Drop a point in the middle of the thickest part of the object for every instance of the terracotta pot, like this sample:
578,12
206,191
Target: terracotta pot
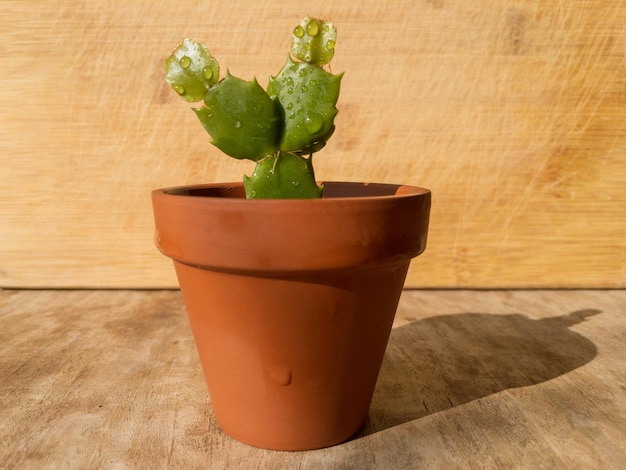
291,302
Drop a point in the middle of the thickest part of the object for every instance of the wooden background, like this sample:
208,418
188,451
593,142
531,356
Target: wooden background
513,112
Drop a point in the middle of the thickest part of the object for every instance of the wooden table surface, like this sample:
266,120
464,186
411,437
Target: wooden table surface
471,379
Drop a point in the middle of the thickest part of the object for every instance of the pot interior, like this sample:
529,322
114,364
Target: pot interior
331,190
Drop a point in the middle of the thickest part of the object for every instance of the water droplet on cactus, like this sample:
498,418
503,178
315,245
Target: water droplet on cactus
313,122
185,62
179,89
207,73
313,28
302,72
330,45
292,115
290,90
298,32
305,88
289,105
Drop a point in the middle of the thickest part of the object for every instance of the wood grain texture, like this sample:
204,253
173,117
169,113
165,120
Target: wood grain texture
512,112
470,379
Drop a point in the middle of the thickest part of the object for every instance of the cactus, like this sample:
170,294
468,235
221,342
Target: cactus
279,128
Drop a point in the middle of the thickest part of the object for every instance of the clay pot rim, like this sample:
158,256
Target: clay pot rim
334,191
385,224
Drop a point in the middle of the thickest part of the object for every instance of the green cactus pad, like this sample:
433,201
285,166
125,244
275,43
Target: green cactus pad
191,70
242,119
308,95
280,128
314,41
283,176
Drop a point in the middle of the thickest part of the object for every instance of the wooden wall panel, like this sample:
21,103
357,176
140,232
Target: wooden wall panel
512,112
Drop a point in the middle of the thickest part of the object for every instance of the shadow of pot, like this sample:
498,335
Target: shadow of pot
444,361
291,302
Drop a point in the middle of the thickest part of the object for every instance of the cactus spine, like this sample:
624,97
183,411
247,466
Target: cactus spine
279,128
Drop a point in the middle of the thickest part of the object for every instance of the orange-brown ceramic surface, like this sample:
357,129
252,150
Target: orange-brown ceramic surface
354,225
291,302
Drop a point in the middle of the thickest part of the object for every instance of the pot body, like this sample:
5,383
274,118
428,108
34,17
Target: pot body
291,302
